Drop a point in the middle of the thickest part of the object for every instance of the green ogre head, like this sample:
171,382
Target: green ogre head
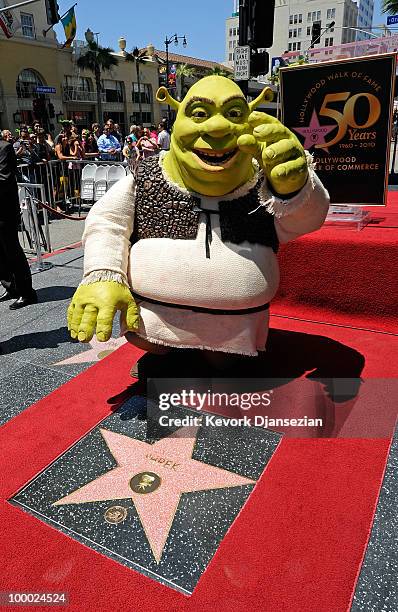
204,156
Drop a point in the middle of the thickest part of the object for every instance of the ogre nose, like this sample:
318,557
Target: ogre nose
218,127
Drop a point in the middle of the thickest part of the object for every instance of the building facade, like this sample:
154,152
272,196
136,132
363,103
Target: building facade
231,34
293,25
40,79
365,17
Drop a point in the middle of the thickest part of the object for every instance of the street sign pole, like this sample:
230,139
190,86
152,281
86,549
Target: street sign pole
243,35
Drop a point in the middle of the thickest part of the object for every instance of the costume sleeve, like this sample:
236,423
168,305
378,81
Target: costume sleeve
301,214
107,233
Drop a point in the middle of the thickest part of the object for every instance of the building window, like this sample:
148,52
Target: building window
328,42
309,31
291,19
113,91
290,33
289,48
81,118
230,32
27,83
318,15
294,33
78,89
298,46
231,57
300,18
299,32
145,92
117,117
295,18
28,25
309,17
82,83
146,118
331,13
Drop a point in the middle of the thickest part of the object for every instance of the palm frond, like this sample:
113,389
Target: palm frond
97,56
389,6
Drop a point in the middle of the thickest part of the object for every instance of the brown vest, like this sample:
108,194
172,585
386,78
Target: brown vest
163,211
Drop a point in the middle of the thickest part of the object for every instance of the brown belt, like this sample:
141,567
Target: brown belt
215,311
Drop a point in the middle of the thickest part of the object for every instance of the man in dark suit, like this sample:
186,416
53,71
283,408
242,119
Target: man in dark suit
15,273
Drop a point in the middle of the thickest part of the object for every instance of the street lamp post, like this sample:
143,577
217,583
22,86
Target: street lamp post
137,57
173,39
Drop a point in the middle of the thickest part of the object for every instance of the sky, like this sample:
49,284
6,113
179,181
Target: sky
149,21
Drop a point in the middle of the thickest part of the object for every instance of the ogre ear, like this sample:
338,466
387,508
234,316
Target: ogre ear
267,95
163,96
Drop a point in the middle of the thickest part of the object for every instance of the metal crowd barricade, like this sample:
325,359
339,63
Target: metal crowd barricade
30,219
61,180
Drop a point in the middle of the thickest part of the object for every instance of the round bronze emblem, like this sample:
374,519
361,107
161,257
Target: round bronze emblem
115,514
145,482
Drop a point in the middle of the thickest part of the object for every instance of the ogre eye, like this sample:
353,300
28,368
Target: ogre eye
199,114
234,113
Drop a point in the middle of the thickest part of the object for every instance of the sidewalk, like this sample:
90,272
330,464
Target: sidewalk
63,232
38,354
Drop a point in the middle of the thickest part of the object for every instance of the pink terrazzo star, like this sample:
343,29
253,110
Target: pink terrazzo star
98,351
314,133
159,473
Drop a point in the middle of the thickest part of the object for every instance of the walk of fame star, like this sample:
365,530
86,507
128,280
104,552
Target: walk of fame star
154,476
314,133
98,350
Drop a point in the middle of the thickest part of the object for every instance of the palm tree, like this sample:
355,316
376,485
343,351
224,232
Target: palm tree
97,59
389,6
184,71
220,71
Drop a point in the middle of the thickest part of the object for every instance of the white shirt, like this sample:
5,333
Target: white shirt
164,140
177,271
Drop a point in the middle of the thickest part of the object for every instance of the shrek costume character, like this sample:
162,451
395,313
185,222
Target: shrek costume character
186,249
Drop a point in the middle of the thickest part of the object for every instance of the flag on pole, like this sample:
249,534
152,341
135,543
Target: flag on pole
69,23
8,22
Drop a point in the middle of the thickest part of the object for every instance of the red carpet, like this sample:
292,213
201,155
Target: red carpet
297,544
335,275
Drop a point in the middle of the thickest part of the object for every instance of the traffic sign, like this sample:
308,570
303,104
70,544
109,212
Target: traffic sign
43,89
242,63
392,20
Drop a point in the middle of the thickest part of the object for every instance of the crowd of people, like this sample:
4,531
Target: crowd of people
19,156
33,144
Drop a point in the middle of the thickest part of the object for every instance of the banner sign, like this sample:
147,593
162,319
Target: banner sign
392,20
8,21
341,111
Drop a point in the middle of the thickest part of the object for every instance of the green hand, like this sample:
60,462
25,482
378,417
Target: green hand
278,151
93,307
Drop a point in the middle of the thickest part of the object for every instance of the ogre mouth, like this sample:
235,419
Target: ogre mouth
215,158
